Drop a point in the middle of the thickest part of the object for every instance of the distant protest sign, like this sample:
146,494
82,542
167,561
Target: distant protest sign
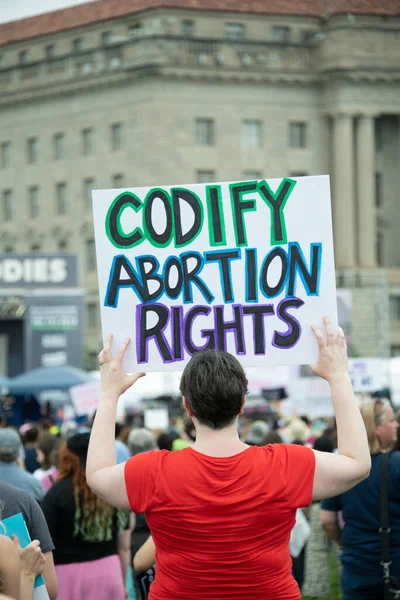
245,267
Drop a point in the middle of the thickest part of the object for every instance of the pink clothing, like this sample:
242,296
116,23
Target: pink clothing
93,580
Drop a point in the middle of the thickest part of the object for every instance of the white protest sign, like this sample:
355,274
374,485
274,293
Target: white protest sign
309,396
156,418
85,397
368,374
245,267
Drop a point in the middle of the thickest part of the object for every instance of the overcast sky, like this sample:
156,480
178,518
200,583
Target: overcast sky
10,10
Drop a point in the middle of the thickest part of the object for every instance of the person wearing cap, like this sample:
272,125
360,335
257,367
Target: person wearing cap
88,533
10,444
221,511
257,434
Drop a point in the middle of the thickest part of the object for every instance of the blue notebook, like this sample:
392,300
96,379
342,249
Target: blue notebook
16,525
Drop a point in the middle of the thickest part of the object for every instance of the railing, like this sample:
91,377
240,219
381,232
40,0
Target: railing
161,50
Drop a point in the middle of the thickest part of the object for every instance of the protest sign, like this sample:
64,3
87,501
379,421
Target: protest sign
245,267
85,397
368,374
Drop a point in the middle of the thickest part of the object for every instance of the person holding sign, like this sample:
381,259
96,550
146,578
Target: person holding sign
220,511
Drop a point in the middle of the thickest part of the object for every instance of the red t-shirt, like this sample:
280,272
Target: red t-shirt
222,525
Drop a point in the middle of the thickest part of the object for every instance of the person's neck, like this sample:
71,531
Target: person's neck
218,442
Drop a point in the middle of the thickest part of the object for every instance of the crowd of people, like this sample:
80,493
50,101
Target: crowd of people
217,506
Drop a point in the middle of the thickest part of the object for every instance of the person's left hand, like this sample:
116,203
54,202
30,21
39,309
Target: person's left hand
32,558
114,380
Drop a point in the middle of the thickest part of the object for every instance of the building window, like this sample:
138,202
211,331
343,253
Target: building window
308,36
187,28
116,136
61,198
7,206
135,30
88,187
8,249
90,256
234,31
395,308
106,38
118,181
280,34
252,175
35,248
59,146
32,150
34,202
205,176
379,248
297,135
23,57
78,45
63,245
252,134
5,155
378,190
204,132
395,351
87,141
50,51
91,311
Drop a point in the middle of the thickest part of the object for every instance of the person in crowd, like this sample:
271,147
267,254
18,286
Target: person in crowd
14,501
257,434
298,430
273,437
164,442
316,568
139,441
362,575
10,471
88,533
19,568
30,438
121,449
220,511
47,453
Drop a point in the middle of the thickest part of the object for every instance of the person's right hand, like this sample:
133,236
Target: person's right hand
332,360
32,558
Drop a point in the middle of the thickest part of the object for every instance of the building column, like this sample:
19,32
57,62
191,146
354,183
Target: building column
366,191
344,209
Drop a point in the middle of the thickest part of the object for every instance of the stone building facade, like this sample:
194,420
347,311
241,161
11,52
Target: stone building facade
117,93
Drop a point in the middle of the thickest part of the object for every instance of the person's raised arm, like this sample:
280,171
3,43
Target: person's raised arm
337,473
104,476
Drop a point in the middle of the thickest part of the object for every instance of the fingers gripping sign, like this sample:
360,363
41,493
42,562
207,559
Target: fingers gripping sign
114,380
332,359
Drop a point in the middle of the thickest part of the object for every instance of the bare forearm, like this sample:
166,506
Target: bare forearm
101,452
124,557
333,532
352,436
27,585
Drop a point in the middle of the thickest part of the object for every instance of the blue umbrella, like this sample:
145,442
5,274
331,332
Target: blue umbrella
47,378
